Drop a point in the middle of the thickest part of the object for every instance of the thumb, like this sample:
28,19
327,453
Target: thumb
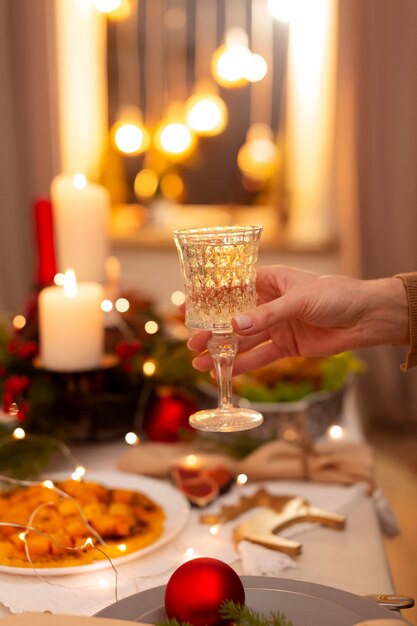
265,315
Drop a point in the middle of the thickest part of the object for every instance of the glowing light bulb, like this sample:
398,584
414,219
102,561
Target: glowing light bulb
206,114
258,157
146,183
335,431
59,279
172,186
151,327
78,473
22,536
214,529
130,137
106,306
19,322
174,138
178,298
19,433
191,460
149,368
70,284
242,479
257,68
282,10
229,64
48,484
189,552
131,438
122,547
122,305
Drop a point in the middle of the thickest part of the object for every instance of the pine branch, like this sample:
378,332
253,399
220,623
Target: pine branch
245,616
241,615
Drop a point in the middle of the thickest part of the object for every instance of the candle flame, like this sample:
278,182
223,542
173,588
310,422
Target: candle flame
70,284
79,181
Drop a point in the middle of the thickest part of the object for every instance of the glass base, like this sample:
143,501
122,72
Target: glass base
226,420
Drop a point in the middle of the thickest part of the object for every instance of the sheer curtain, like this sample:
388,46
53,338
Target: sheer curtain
28,139
376,152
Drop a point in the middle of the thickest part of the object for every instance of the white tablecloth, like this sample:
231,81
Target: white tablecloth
353,559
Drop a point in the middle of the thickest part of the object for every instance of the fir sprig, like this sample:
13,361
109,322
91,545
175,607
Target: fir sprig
240,614
245,616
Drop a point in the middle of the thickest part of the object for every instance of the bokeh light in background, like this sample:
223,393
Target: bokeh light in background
282,10
257,158
114,9
122,305
172,186
146,183
206,114
19,322
174,139
130,138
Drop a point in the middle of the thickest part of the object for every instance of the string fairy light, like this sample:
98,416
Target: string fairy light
77,474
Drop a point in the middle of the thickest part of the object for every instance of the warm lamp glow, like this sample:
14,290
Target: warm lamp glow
146,183
257,68
130,137
172,186
174,139
283,10
228,65
257,158
206,114
114,9
70,284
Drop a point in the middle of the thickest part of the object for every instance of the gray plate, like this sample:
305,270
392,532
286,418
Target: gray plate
303,603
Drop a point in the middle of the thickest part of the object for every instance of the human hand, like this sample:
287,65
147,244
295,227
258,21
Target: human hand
301,313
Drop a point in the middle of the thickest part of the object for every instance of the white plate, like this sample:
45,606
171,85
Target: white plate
175,505
304,603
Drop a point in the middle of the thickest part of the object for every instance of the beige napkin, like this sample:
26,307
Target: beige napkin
328,462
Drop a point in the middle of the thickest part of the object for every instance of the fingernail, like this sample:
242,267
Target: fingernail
243,321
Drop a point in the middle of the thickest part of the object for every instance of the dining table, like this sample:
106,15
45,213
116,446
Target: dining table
352,559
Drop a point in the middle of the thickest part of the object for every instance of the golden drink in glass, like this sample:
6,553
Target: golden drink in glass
218,267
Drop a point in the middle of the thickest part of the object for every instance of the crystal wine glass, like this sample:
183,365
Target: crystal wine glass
218,267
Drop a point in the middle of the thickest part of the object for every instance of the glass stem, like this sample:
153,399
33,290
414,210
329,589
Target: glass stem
223,349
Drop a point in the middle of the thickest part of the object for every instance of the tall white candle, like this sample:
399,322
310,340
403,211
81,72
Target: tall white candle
71,326
81,223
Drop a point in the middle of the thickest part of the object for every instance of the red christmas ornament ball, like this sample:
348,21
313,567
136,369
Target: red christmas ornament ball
168,417
197,588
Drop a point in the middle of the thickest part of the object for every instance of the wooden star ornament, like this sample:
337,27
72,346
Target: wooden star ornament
278,512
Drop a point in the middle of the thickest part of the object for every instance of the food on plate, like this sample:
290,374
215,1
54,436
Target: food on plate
201,485
292,378
76,523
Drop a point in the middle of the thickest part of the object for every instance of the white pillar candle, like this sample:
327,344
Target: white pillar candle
81,223
71,326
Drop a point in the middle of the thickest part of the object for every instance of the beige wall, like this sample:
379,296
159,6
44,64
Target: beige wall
28,138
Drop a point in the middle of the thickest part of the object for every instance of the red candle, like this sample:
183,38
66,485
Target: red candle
44,234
